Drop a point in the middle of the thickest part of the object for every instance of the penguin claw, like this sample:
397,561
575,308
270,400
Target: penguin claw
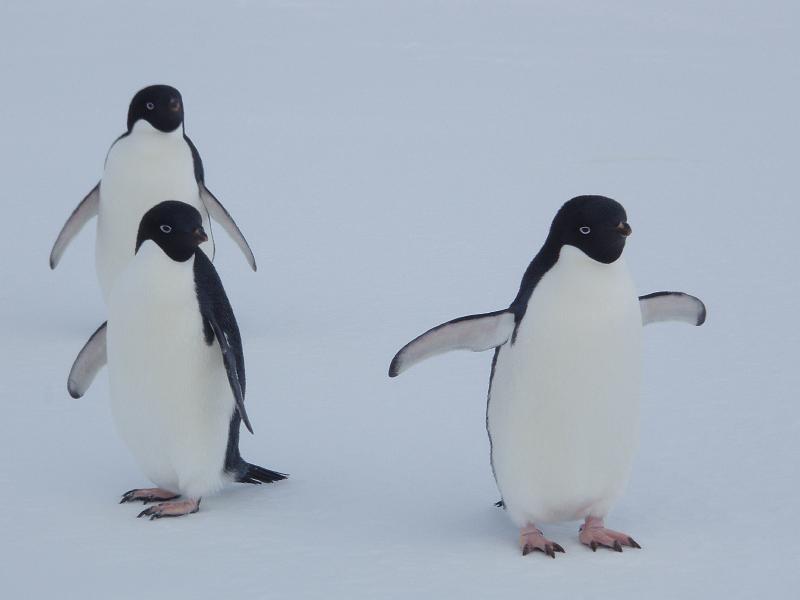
594,534
532,539
170,509
148,495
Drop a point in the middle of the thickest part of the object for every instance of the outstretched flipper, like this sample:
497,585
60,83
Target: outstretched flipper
672,306
475,332
220,323
88,363
87,209
217,212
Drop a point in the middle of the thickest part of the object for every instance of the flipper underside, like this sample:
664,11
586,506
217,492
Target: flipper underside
475,332
82,214
672,306
88,363
217,212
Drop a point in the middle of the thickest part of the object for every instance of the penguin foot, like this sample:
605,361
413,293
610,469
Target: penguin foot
594,534
531,538
148,495
171,509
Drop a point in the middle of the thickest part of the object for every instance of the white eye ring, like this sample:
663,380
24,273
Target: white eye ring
584,230
166,228
150,106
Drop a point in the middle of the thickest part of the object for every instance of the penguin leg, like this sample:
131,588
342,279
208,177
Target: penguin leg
594,534
147,495
171,509
531,538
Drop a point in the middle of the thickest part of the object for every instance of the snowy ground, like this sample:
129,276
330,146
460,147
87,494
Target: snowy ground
394,166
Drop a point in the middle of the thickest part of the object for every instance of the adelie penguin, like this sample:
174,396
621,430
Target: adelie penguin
563,403
176,367
152,161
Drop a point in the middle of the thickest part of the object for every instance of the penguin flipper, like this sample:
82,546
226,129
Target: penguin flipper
672,306
475,332
88,363
219,322
86,209
232,368
217,212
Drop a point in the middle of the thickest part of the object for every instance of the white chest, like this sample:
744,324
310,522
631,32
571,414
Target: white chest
169,393
563,410
147,166
142,169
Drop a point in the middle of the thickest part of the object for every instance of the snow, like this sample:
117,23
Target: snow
395,165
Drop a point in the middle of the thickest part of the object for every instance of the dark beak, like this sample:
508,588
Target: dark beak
199,235
624,229
174,104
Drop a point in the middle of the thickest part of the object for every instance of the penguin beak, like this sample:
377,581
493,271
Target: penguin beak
624,229
174,104
199,235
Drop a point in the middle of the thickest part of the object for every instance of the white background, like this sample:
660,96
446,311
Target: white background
394,166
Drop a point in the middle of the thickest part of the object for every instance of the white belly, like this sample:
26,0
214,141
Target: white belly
142,170
169,391
563,411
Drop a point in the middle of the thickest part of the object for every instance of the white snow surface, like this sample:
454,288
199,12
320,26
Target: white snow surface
396,165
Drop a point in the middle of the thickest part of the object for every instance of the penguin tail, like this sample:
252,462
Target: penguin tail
258,475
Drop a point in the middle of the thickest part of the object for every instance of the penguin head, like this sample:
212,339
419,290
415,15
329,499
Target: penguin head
175,226
596,225
159,105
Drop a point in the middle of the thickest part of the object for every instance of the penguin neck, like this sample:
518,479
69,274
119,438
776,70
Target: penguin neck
175,254
144,130
153,279
550,254
588,269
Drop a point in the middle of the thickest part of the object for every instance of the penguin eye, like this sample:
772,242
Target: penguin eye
166,228
584,230
150,106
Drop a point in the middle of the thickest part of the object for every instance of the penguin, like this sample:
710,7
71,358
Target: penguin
153,160
563,403
176,367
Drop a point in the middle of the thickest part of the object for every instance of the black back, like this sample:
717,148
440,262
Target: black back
199,172
216,308
219,322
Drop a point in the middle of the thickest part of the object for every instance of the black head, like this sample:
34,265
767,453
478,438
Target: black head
594,224
175,226
159,105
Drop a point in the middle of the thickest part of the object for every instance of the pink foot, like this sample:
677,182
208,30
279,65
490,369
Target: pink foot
594,534
148,495
531,538
171,509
